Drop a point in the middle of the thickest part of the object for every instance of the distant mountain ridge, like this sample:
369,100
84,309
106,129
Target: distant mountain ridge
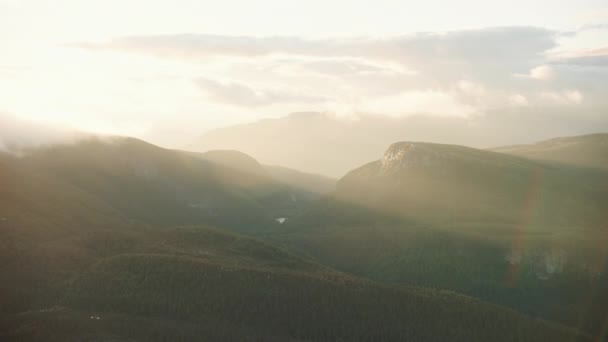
313,184
235,160
325,144
584,150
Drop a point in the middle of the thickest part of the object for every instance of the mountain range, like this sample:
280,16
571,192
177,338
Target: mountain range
327,144
117,239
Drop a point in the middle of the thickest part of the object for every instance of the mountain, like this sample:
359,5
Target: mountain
52,196
236,160
99,242
307,183
118,179
307,141
517,232
157,186
331,145
312,183
321,143
585,150
457,184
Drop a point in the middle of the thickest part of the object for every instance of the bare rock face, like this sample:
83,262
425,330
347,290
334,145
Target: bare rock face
405,155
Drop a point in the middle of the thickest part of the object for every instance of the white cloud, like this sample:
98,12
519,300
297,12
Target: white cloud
131,84
573,96
489,48
19,134
429,102
342,70
563,97
597,57
239,94
471,88
518,100
543,73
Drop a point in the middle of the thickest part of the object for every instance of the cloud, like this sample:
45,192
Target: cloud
207,45
428,102
589,60
466,73
518,100
345,67
17,135
239,94
583,58
497,46
543,73
593,27
418,61
563,98
471,88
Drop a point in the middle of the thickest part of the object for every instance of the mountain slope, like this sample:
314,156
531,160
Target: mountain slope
91,251
435,182
518,232
307,183
235,160
195,283
292,190
585,150
312,183
162,187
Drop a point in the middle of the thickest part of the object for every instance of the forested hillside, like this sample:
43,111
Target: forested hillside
90,253
522,233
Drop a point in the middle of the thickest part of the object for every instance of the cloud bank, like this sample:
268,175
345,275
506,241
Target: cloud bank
19,135
477,70
156,83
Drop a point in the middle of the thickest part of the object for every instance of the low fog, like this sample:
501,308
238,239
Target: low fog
18,135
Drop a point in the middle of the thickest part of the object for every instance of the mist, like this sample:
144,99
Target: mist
331,145
18,136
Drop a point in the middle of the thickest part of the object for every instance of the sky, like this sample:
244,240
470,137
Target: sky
169,71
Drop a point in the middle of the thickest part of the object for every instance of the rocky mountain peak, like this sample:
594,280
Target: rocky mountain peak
404,155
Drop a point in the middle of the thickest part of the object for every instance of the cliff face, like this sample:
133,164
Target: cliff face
405,155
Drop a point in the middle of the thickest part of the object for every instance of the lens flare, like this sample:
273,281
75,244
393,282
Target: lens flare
519,240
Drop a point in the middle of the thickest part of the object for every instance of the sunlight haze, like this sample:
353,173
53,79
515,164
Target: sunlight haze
312,170
171,71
